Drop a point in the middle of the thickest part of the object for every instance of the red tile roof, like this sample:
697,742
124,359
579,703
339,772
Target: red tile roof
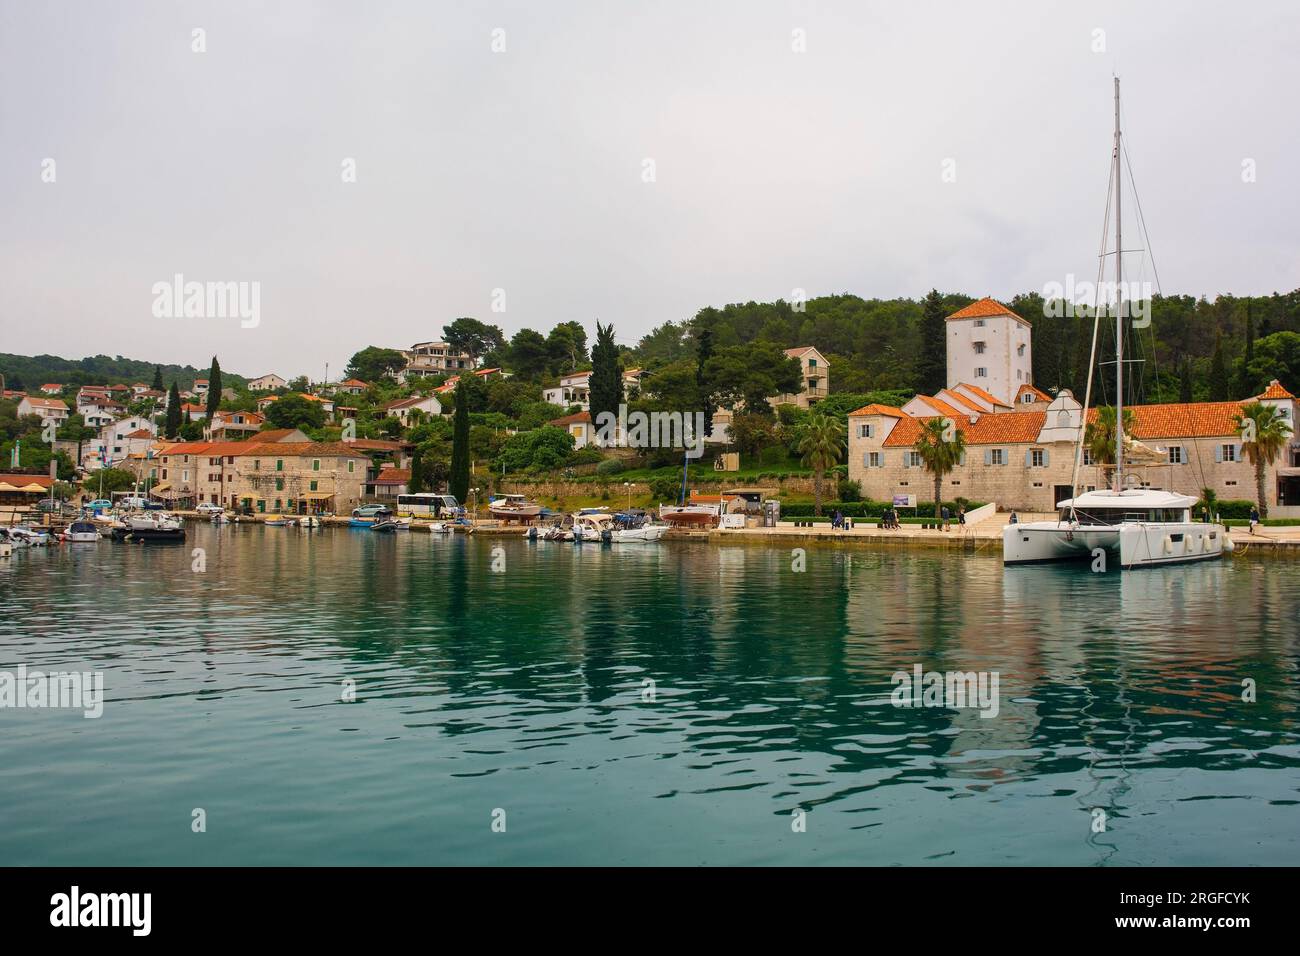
393,476
1275,390
46,402
877,409
141,433
1038,393
1193,420
984,309
943,408
991,399
579,417
967,403
273,434
1007,428
378,444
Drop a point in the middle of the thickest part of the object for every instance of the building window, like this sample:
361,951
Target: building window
1087,457
1020,350
981,373
1229,452
1175,454
812,363
277,504
979,348
279,486
313,486
315,463
996,457
1036,458
979,323
914,459
352,465
875,459
1019,375
257,464
866,431
279,464
185,475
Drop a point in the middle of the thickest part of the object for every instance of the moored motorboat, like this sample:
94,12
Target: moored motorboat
152,526
279,521
80,532
690,516
514,508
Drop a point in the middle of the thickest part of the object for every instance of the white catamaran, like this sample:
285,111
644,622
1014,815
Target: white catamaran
1143,527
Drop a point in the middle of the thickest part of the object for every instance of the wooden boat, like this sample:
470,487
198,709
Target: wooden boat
279,521
391,525
514,508
691,516
309,521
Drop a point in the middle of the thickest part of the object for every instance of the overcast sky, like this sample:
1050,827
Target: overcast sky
524,170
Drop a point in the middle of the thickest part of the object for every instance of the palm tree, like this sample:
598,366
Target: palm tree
940,452
1099,438
1270,432
821,441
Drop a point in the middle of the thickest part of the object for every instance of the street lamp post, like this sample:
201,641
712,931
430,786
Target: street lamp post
627,486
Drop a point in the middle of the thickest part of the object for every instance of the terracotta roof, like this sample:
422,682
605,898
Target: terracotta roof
579,417
393,476
959,399
141,433
378,444
53,385
988,397
795,353
983,309
1006,429
187,407
46,402
356,382
1193,420
1039,394
409,402
297,449
209,449
1275,390
943,408
877,409
273,434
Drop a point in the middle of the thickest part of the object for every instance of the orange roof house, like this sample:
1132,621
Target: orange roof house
985,308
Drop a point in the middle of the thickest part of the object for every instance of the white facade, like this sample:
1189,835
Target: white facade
989,346
266,383
46,408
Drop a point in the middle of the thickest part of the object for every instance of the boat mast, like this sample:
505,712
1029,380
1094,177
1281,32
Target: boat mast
1119,310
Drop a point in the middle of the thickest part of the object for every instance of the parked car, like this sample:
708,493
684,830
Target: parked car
370,511
99,504
45,506
133,502
207,508
152,505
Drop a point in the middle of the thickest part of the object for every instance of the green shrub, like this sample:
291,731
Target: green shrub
609,466
849,490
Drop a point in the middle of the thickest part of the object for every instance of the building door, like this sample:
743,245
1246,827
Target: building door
1060,493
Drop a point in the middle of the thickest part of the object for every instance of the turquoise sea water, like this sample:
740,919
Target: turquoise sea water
521,696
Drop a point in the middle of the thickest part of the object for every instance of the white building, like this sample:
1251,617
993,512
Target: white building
46,408
815,378
403,408
266,383
432,360
988,346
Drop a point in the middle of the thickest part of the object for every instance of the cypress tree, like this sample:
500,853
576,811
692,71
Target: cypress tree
932,365
214,388
1185,382
606,375
157,379
416,484
458,483
1219,384
173,421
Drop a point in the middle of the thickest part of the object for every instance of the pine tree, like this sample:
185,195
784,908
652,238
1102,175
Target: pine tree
606,375
1219,384
173,421
932,364
157,378
214,388
458,483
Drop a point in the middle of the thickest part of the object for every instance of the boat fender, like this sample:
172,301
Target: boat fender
1169,544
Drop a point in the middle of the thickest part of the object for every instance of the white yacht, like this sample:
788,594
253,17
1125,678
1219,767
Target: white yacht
1142,527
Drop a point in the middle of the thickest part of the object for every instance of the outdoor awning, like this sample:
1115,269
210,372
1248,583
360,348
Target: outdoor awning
162,487
316,496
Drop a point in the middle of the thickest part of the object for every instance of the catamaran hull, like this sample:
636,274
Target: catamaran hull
1133,544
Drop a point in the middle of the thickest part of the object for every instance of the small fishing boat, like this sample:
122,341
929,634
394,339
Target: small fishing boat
80,532
309,521
279,521
391,524
593,526
444,527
